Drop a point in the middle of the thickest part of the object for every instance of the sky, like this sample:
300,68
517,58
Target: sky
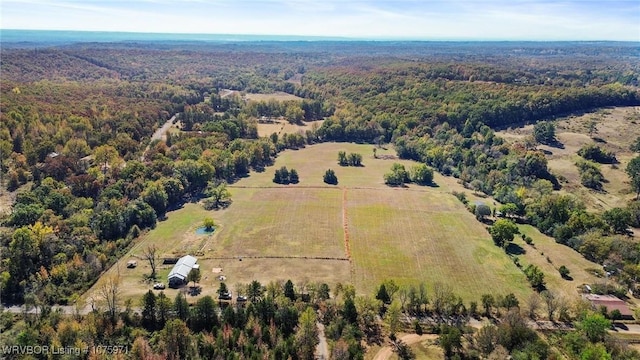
368,19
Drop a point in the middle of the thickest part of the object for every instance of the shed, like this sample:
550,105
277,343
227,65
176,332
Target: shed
178,275
86,162
611,303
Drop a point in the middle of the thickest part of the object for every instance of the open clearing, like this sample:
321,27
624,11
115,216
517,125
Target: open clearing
424,347
548,255
6,199
266,222
411,236
277,96
284,127
360,231
616,127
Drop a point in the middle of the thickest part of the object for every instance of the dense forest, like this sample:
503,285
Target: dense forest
85,179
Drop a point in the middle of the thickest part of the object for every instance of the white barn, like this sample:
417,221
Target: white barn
182,268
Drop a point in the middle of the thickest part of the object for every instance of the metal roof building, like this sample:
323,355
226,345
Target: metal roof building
180,271
611,303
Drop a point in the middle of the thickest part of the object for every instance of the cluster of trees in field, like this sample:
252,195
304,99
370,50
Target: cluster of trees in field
419,174
590,174
353,159
330,177
595,153
286,176
544,132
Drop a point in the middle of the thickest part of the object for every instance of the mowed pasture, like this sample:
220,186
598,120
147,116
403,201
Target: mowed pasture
615,128
277,96
548,255
173,237
312,162
280,222
413,236
284,127
360,231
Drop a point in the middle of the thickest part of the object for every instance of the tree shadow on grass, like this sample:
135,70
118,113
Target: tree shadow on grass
515,249
555,143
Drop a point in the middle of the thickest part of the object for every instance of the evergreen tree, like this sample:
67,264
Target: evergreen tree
349,311
342,158
289,290
204,315
383,295
284,175
544,132
223,291
307,334
330,177
633,170
355,159
149,320
181,307
293,177
163,308
277,177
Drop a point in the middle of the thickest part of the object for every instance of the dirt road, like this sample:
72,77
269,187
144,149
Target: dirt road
409,339
158,135
322,350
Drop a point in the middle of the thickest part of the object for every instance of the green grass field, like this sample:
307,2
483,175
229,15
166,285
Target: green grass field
281,222
284,127
277,232
548,255
414,236
277,96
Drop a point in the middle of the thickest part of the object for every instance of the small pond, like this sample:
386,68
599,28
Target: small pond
204,231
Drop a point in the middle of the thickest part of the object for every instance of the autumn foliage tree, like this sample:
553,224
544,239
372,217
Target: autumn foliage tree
503,231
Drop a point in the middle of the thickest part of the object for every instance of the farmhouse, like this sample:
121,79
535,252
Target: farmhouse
182,268
611,303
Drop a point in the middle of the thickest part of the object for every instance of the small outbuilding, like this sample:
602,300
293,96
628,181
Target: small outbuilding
611,303
178,275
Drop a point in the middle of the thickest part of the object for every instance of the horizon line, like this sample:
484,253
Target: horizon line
316,38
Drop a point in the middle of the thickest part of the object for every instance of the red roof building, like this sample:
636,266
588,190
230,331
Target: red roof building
611,303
